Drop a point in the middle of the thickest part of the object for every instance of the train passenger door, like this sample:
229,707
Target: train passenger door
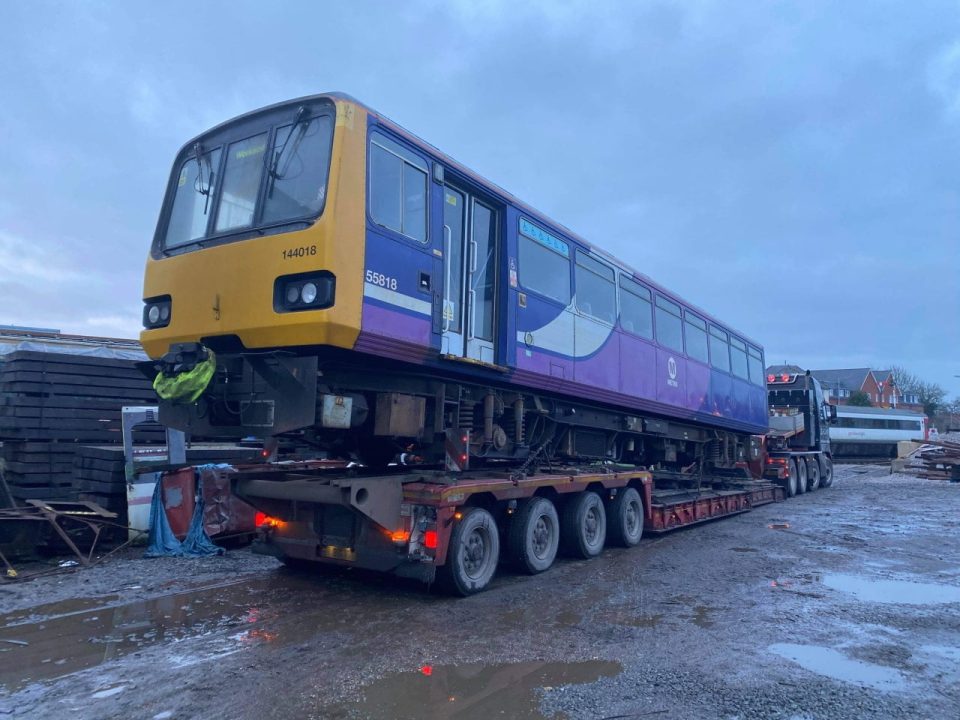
470,250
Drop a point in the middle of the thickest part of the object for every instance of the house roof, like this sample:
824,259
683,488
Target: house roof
882,375
778,369
847,379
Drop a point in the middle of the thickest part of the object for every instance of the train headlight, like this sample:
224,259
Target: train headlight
306,291
156,312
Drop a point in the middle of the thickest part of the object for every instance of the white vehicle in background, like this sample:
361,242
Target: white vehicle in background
875,432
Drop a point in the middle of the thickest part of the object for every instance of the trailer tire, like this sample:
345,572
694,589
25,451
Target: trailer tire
813,474
473,553
534,536
792,480
583,527
801,476
625,514
826,472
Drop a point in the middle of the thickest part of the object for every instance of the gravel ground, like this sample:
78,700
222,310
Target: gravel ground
843,603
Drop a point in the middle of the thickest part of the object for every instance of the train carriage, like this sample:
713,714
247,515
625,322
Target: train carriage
871,432
364,293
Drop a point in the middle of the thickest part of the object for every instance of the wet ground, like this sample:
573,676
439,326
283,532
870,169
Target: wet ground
844,603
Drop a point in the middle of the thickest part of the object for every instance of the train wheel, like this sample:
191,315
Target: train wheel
583,529
826,473
813,473
473,554
625,512
792,482
801,476
534,536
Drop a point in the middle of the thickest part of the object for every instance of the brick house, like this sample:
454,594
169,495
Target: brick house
877,384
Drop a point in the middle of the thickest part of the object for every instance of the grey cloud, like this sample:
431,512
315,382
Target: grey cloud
729,150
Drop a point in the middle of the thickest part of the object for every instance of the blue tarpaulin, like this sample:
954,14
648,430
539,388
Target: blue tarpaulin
163,543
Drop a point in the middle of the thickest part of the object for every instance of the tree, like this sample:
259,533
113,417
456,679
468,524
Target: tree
860,399
931,397
904,380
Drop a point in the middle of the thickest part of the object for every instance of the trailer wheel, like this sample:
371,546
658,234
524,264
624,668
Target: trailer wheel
826,472
534,536
792,480
583,528
473,553
813,473
625,512
801,476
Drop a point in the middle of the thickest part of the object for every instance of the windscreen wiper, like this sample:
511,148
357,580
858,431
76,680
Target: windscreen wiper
297,122
203,190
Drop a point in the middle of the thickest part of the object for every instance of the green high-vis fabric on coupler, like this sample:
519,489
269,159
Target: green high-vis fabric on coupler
186,387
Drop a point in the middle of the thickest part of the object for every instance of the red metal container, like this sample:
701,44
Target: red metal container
179,492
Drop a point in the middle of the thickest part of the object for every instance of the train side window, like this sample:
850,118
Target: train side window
398,188
695,331
669,325
636,310
738,358
755,359
595,292
544,262
719,349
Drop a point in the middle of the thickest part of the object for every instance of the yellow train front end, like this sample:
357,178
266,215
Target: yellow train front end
257,261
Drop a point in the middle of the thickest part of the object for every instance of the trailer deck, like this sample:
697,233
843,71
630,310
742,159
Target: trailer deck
408,521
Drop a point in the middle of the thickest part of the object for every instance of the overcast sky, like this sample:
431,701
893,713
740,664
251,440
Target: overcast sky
792,167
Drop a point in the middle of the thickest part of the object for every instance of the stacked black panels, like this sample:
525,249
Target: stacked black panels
52,402
57,396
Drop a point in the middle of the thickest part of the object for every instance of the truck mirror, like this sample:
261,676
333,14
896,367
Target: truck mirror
833,412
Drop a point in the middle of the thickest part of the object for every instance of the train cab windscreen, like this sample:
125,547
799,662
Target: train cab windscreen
253,176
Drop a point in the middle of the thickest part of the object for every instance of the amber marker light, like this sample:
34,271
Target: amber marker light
261,519
400,536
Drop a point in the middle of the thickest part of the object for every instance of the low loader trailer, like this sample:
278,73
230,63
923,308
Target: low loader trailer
458,528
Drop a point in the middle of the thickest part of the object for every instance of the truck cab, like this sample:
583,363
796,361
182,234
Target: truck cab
798,443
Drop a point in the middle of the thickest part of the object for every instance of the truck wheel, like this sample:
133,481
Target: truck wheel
583,528
626,517
792,480
813,473
534,536
826,472
473,553
801,476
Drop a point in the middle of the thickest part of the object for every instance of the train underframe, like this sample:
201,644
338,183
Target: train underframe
379,411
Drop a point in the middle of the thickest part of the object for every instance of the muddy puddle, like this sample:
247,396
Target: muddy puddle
57,639
837,666
470,692
892,591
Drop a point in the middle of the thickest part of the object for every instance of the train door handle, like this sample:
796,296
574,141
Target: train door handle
447,244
